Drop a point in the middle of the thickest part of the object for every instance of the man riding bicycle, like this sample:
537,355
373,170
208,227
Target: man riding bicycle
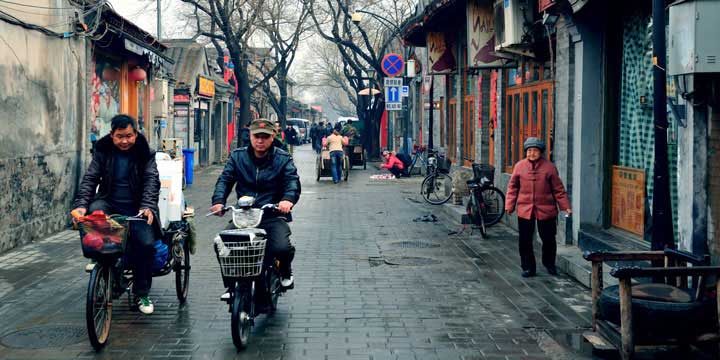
124,167
269,174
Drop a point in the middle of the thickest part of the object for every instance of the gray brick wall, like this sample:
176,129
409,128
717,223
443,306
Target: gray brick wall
564,97
43,105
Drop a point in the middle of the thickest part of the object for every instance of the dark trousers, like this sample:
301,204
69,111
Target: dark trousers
278,244
140,248
398,172
547,230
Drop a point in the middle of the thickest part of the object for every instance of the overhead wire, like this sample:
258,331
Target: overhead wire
11,19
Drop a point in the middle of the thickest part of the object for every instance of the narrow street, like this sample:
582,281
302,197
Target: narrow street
370,284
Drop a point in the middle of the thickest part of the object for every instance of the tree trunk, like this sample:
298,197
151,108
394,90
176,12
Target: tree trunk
243,86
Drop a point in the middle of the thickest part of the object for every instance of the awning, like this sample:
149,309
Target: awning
438,15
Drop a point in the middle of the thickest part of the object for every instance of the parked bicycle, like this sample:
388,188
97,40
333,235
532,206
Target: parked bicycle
424,155
437,187
255,285
103,239
487,203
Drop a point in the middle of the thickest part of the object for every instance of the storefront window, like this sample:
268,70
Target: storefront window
104,95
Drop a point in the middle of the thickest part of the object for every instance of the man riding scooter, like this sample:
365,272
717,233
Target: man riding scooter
269,174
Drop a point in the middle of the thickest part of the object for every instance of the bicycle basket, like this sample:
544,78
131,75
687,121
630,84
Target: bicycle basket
484,170
443,164
102,236
242,259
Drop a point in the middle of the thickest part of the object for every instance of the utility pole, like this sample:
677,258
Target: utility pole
159,20
662,226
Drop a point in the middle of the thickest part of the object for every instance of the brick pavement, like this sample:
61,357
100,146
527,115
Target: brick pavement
371,284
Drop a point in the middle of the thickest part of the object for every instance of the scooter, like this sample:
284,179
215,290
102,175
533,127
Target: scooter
255,286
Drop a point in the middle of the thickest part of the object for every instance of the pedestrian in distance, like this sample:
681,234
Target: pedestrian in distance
279,140
125,174
319,135
392,163
536,191
328,129
335,143
291,137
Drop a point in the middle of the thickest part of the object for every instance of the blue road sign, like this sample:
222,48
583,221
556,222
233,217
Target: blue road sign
392,94
393,64
405,91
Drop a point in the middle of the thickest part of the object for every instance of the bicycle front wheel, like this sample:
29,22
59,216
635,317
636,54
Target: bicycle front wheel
437,188
98,309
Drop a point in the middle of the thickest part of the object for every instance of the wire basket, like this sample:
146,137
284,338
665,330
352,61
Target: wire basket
103,236
484,171
242,259
443,164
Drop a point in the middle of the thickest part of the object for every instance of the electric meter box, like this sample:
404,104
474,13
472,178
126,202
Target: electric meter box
693,45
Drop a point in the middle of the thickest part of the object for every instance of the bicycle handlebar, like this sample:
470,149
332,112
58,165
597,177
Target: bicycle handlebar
265,207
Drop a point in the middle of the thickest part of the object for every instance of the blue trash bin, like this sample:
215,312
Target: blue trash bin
189,156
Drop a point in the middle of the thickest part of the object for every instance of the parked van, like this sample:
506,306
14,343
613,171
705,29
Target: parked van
303,128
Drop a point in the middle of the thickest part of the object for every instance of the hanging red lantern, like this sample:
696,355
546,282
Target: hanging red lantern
110,74
137,74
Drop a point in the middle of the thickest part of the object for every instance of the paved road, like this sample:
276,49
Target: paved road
370,284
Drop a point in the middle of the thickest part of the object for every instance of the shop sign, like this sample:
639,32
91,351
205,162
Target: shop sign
481,36
206,87
628,199
442,54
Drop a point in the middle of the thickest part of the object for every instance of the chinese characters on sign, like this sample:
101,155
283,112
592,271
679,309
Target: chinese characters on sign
206,87
628,199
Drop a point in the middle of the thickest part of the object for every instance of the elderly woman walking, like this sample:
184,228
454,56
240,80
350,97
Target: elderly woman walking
536,190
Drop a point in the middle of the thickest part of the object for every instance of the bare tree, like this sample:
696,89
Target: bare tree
233,24
284,25
361,46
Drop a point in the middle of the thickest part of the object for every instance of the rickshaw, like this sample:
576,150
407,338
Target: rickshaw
357,155
322,165
355,150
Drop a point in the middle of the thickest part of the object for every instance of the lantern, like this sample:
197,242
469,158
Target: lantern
137,74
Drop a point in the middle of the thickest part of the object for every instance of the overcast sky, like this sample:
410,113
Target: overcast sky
144,14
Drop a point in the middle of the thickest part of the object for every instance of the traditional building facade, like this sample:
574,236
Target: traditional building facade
579,76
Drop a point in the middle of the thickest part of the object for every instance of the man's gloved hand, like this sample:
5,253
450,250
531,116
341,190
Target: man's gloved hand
285,206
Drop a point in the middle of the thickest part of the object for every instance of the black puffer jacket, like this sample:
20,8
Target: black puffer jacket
275,181
144,177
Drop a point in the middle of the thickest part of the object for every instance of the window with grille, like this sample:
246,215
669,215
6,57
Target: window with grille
528,112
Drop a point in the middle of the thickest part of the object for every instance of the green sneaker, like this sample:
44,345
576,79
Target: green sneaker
145,305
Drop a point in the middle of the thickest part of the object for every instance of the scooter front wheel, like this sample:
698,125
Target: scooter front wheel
240,320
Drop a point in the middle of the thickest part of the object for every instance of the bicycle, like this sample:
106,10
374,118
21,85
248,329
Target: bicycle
437,187
418,153
103,239
487,203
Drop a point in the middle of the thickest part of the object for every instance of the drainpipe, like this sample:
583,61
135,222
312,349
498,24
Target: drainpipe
662,226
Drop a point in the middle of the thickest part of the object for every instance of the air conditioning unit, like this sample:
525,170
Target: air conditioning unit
510,19
692,45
